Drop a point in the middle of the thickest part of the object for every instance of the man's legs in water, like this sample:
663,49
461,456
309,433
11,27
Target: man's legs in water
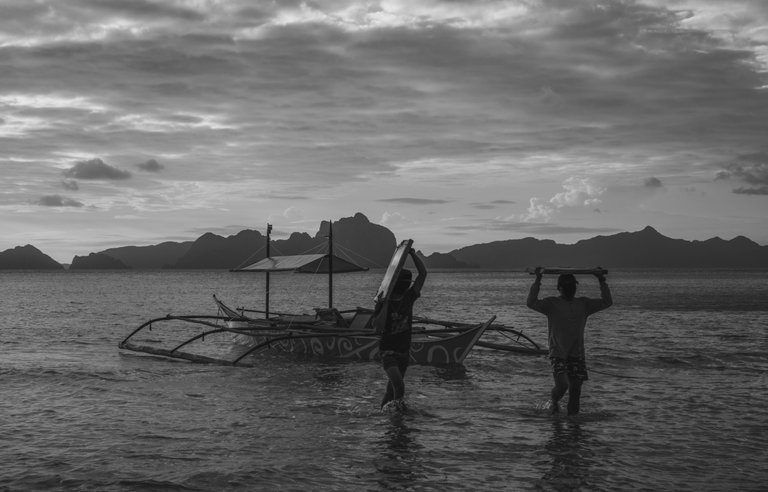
574,394
561,386
396,386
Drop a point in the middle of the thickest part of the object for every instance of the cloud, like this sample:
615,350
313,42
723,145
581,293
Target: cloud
579,192
653,182
145,9
57,201
751,169
538,211
492,205
393,219
754,174
415,201
549,97
70,184
762,190
290,214
95,169
284,196
151,166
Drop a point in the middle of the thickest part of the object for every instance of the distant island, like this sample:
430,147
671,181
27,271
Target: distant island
371,245
27,258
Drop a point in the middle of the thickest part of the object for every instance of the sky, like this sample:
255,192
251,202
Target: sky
134,122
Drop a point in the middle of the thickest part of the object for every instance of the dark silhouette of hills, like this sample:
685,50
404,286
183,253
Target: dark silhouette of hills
97,261
149,257
371,245
642,249
27,258
213,251
444,260
355,238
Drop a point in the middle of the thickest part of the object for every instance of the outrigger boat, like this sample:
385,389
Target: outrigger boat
234,336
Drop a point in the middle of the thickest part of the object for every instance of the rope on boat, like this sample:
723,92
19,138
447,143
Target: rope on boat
350,253
250,258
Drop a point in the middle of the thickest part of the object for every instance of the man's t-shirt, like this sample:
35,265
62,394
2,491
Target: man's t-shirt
566,320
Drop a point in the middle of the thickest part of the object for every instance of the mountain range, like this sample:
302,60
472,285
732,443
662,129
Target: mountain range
646,248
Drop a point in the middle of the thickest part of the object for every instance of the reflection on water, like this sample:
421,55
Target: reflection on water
450,373
570,457
399,462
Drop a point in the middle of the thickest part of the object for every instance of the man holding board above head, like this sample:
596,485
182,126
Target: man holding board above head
393,318
566,319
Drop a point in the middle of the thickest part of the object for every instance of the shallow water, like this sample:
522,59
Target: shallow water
676,397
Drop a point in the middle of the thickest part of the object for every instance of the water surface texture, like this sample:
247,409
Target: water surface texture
676,399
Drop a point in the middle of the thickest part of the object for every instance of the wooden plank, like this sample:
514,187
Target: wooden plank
571,270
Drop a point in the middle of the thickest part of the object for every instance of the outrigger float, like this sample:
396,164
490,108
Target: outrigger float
235,336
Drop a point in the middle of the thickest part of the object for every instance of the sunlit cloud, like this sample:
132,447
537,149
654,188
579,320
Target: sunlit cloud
50,101
579,192
12,126
393,219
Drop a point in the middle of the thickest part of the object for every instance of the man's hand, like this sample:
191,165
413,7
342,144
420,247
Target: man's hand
600,276
538,273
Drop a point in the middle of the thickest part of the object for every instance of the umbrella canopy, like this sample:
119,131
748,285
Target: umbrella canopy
317,263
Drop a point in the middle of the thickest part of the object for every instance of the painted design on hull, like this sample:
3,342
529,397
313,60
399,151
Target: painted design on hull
431,351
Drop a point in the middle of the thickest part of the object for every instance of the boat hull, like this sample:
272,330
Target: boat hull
426,349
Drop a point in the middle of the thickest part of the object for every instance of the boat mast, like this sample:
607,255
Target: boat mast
330,264
266,296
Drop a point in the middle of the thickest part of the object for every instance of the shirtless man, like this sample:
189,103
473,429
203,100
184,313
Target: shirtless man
396,329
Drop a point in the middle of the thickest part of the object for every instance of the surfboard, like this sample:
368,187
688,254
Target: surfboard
393,270
572,270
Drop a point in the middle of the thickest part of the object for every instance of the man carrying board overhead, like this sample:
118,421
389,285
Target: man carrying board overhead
566,319
393,318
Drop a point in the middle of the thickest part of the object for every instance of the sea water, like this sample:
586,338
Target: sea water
677,397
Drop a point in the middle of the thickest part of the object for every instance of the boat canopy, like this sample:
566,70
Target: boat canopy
317,263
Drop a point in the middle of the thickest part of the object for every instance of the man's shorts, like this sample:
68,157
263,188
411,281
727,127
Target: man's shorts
391,358
575,368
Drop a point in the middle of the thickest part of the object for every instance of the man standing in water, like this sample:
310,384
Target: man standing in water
566,319
394,320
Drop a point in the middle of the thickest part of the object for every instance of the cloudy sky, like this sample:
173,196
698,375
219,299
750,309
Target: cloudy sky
132,122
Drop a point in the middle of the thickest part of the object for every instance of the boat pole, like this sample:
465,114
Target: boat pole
266,296
330,264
